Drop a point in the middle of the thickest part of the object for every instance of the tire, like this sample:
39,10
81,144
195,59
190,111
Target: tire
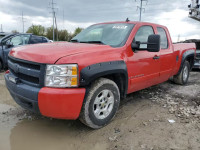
101,103
183,77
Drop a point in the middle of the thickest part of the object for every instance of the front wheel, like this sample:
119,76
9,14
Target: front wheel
101,103
183,77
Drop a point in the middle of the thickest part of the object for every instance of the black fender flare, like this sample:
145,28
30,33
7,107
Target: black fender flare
95,71
186,55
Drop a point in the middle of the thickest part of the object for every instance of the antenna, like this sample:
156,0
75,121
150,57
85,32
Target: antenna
127,20
141,8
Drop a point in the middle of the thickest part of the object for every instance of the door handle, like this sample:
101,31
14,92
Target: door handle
156,57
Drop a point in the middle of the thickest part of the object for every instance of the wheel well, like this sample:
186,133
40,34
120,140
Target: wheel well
120,80
190,59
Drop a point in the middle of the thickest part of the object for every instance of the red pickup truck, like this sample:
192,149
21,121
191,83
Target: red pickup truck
87,77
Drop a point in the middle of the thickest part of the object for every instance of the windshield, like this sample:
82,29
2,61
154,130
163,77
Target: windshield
114,35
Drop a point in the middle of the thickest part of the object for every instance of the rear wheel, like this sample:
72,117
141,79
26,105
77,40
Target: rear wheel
183,77
101,103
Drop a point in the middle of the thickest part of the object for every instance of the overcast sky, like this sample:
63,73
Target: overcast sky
82,13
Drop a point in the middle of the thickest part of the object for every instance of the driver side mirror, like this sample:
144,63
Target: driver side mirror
152,45
9,44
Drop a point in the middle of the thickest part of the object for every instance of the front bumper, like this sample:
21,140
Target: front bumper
24,95
51,102
196,64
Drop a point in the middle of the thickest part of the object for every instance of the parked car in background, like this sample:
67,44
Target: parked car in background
197,60
3,34
14,40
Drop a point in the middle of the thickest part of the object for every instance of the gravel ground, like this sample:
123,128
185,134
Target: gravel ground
166,116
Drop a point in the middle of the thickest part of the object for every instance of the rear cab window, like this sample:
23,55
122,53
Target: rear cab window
163,36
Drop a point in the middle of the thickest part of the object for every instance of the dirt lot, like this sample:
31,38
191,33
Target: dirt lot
162,117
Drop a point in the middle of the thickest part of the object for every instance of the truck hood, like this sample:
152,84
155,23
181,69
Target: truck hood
49,53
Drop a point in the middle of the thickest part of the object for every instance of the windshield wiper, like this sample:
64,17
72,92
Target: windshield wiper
97,42
75,40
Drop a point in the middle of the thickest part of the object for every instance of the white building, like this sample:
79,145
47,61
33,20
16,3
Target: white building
194,8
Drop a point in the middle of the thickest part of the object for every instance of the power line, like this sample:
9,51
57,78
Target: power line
141,8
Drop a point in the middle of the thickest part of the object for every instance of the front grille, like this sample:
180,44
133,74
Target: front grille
27,72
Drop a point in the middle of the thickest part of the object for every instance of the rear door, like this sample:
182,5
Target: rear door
167,58
143,66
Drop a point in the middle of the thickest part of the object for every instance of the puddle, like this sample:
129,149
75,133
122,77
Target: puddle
45,133
51,135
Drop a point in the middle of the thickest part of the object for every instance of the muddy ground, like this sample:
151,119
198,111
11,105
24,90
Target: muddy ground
163,117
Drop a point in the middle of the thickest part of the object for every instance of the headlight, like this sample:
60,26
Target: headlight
61,75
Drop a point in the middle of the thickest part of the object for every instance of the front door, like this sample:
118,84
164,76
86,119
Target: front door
143,66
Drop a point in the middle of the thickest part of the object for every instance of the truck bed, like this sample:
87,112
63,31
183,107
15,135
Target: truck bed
184,46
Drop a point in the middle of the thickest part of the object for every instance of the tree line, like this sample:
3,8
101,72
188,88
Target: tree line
60,35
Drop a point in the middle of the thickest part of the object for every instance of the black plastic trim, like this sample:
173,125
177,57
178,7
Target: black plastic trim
95,71
189,53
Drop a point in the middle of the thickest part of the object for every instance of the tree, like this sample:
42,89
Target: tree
15,31
36,30
77,31
49,33
63,35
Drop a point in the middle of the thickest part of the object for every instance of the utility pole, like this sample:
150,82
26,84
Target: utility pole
63,18
178,40
141,8
56,29
23,21
52,7
1,28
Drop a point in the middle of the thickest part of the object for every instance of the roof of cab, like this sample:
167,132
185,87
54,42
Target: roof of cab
132,22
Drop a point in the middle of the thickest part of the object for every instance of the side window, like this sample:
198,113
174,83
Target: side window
35,39
17,40
163,36
25,39
143,34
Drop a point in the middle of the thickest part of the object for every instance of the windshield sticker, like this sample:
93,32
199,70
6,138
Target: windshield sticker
119,27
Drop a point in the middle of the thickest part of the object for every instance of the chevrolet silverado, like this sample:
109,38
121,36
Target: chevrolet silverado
87,77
